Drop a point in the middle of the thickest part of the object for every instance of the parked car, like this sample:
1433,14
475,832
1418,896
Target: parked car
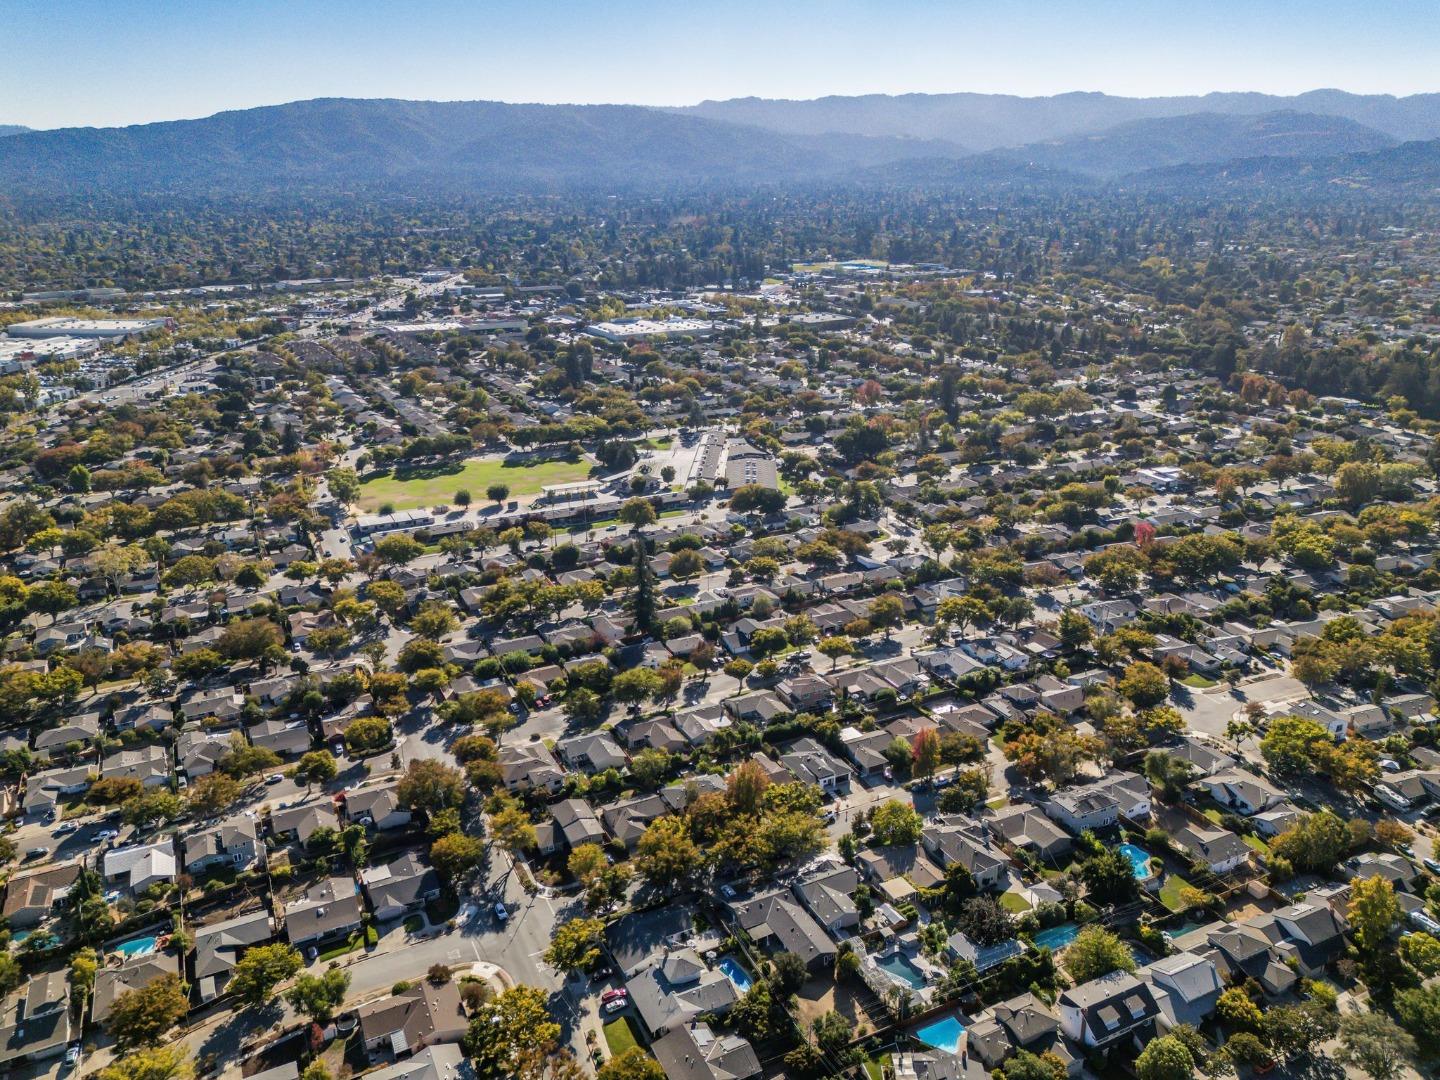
37,853
66,828
616,1005
614,993
275,778
72,1054
502,912
107,834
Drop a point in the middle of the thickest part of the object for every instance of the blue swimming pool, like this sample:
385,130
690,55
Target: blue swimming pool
900,966
943,1034
737,975
140,946
1056,938
1139,860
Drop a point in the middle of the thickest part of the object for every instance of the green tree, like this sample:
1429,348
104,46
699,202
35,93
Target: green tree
1293,744
1418,1010
1144,684
1237,1011
317,767
398,549
632,1063
886,612
319,996
503,1029
1375,1044
637,513
1373,913
456,854
1095,952
575,944
144,1015
261,969
431,785
151,1063
1165,1058
665,855
896,823
497,493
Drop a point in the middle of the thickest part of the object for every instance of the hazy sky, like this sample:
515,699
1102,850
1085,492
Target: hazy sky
104,62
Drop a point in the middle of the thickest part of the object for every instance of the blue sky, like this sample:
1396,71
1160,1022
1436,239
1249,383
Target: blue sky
105,62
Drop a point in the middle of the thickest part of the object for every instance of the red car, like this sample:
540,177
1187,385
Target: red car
614,994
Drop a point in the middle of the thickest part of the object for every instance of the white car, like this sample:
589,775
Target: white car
502,912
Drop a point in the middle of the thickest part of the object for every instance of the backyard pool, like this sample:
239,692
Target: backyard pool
737,975
140,946
943,1034
1056,938
1139,860
899,966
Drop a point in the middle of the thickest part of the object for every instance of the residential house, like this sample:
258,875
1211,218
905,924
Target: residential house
233,843
677,986
828,896
811,763
31,898
1104,1012
137,868
1186,988
218,949
693,1052
425,1014
297,823
377,806
399,887
959,840
35,1020
327,911
529,767
1218,850
776,919
134,974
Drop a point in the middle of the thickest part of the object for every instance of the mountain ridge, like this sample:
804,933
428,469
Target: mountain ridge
999,121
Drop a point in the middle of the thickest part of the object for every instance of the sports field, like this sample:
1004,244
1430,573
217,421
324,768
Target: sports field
432,487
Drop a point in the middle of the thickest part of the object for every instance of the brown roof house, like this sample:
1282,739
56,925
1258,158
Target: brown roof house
422,1016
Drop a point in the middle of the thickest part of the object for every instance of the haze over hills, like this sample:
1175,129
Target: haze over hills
996,121
358,143
348,145
1199,139
12,129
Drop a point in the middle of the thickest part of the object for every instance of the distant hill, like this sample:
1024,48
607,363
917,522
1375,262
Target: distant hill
995,121
338,145
1200,138
12,129
349,144
1411,169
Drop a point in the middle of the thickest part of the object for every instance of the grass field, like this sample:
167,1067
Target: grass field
432,487
619,1036
1170,892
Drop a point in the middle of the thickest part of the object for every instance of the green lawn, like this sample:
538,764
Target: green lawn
620,1036
875,1066
432,487
1199,682
1014,903
1170,892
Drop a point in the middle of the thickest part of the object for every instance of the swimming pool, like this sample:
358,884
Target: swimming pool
1139,860
943,1034
140,946
899,966
1056,938
737,975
